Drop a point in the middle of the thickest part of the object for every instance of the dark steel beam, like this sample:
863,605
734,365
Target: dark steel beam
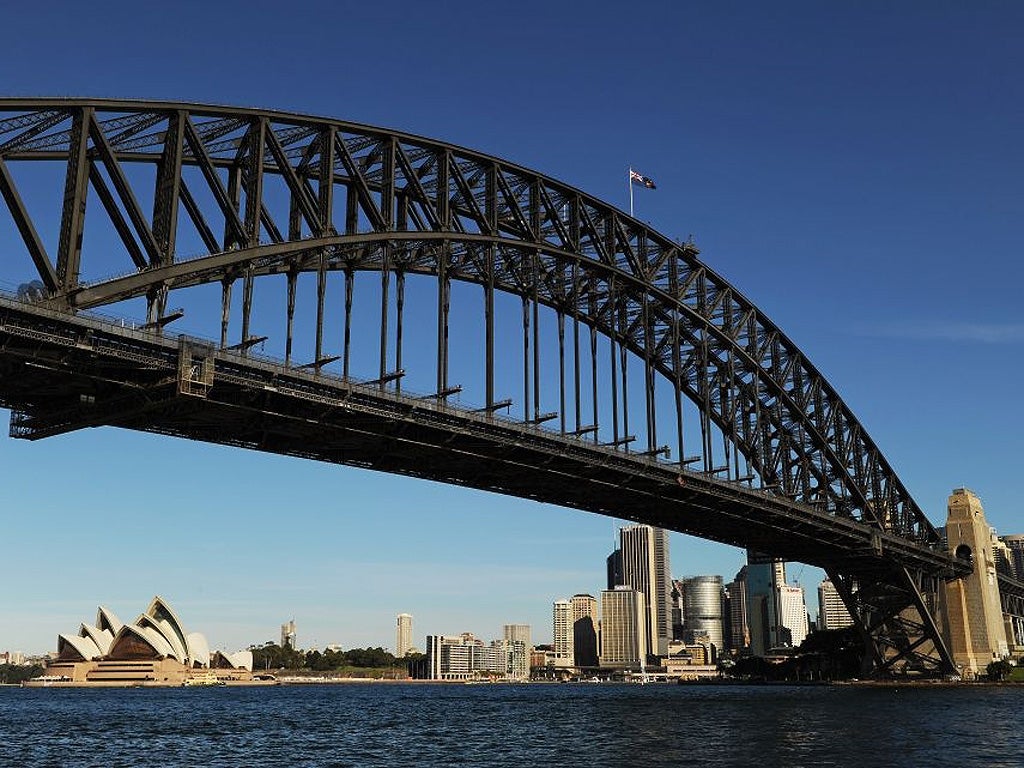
168,188
27,230
69,249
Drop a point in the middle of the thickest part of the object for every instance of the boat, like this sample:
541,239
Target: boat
207,678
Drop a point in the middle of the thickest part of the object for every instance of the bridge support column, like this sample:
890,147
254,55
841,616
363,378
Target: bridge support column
973,613
894,608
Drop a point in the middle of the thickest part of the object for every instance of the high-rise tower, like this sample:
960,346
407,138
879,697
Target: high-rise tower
562,633
584,630
739,628
520,632
792,614
764,577
288,634
703,608
403,635
645,568
1015,544
832,612
623,628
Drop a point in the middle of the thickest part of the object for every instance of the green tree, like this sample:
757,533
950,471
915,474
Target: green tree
369,657
12,674
272,656
999,670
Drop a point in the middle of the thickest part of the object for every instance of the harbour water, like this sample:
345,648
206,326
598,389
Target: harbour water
514,725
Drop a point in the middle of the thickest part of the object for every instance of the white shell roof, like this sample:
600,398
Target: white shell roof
159,627
85,647
101,637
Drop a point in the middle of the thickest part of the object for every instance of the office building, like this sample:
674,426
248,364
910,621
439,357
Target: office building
614,567
403,635
678,590
517,659
623,628
702,609
288,637
792,615
1015,544
645,568
562,626
584,630
520,632
464,657
452,657
764,577
739,631
1002,555
832,612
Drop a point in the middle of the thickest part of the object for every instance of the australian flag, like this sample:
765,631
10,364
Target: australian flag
639,178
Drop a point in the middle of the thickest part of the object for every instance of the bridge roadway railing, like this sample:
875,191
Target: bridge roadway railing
620,483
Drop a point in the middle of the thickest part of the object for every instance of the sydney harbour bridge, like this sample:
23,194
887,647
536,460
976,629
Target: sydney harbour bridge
434,312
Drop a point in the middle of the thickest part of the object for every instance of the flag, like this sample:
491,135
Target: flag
638,178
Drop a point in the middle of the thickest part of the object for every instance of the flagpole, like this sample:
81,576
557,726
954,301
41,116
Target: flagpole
629,181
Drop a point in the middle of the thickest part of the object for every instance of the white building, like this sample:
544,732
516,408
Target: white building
562,633
450,657
623,628
154,649
464,657
702,609
288,636
832,613
520,632
403,635
793,612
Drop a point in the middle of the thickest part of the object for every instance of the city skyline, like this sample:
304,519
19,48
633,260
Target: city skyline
840,166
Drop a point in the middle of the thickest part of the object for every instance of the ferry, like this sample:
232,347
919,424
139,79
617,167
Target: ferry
208,678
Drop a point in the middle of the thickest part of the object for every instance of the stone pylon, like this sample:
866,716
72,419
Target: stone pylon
974,626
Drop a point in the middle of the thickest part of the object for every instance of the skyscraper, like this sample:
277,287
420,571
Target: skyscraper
703,608
288,634
562,633
584,630
678,602
403,635
614,566
739,629
520,632
1015,543
623,628
1002,555
645,567
792,614
764,576
832,613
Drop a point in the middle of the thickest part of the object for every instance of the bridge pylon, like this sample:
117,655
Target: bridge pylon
973,614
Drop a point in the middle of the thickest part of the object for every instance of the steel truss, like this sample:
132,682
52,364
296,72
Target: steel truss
368,199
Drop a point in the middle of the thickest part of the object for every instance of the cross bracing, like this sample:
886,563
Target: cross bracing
361,199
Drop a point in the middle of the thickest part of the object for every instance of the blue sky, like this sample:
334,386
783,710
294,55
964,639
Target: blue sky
854,169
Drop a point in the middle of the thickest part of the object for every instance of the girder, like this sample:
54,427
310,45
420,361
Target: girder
366,199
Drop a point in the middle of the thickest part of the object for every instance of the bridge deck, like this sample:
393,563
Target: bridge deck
60,372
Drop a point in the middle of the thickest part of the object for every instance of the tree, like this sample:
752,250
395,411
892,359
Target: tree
999,670
12,674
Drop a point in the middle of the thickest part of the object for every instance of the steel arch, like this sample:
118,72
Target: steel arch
417,205
360,198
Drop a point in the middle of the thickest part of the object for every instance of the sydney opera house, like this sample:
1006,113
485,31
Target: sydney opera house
155,649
